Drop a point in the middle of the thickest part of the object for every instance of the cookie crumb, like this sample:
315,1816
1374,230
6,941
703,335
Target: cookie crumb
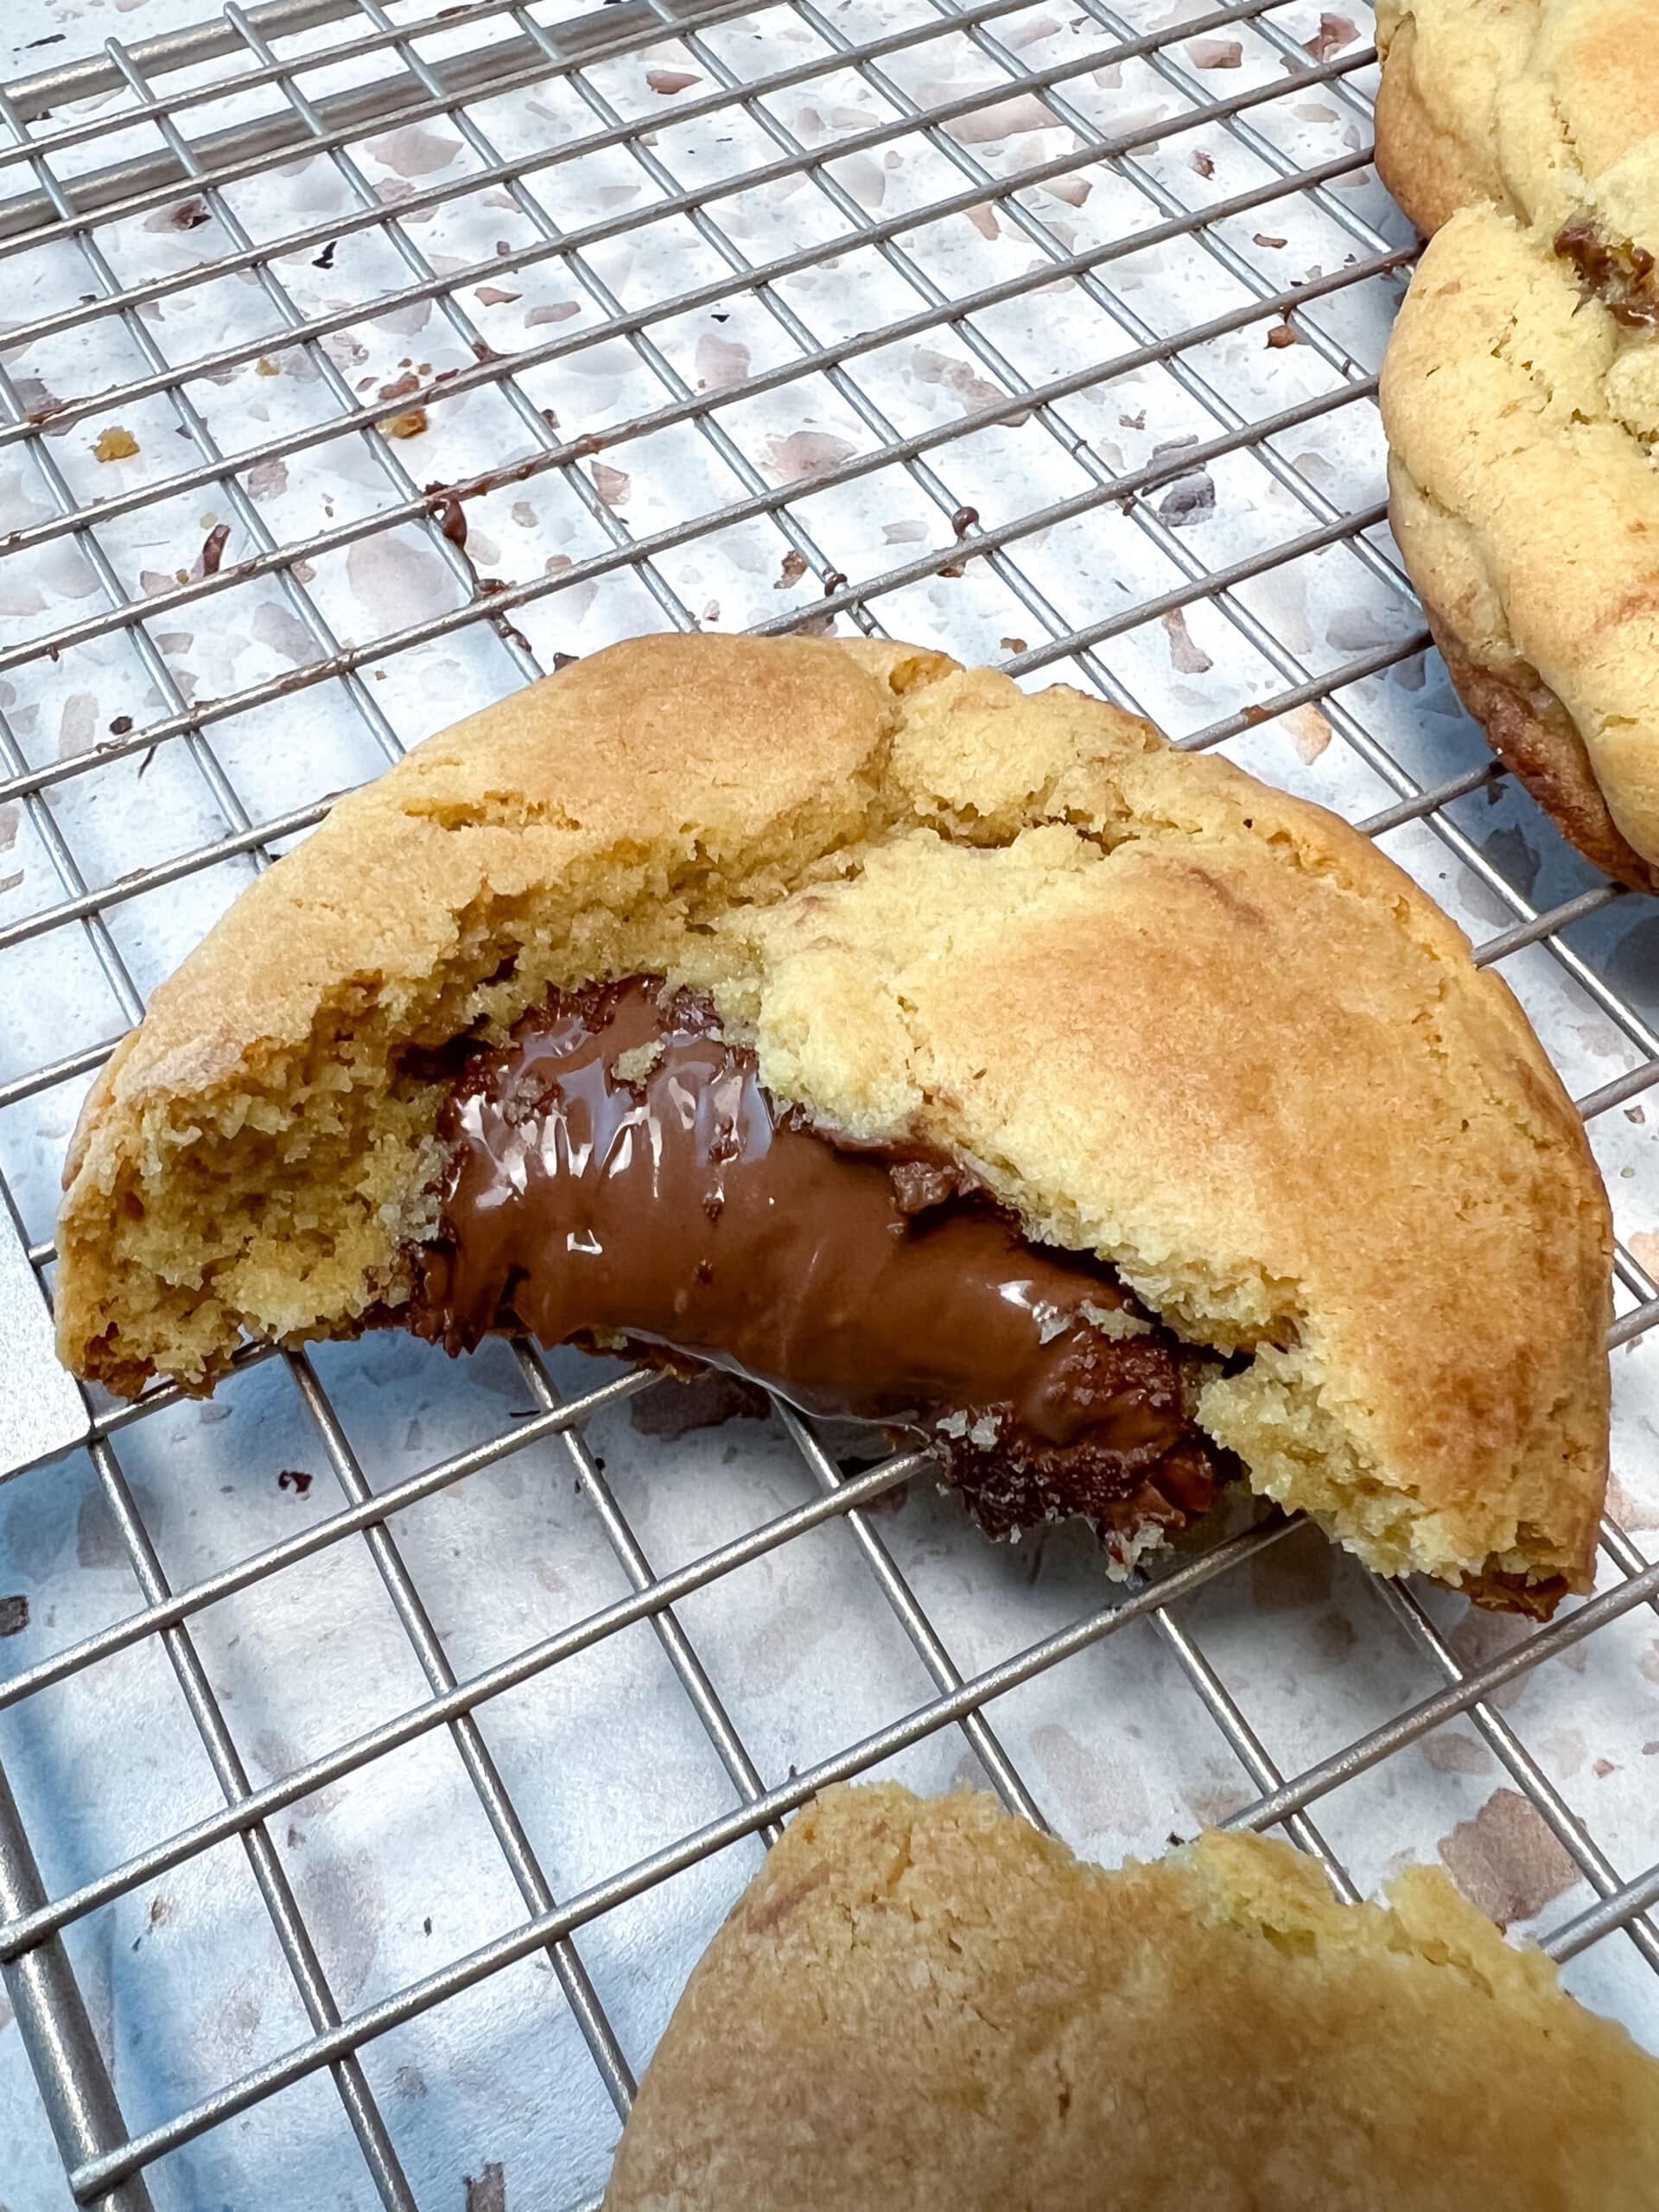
1114,1321
634,1066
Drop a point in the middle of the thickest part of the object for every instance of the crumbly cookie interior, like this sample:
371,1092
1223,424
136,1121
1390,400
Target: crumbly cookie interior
282,1198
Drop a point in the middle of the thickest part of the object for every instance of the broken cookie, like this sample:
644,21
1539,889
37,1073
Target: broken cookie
1127,1123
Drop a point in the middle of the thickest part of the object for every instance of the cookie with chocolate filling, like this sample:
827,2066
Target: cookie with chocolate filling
928,2006
967,1060
1520,392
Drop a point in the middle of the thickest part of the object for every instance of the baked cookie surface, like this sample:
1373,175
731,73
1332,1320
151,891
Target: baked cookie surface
926,2005
1520,392
1175,1019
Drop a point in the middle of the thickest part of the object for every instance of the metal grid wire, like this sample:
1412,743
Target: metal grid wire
157,147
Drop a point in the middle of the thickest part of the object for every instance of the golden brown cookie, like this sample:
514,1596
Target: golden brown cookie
1526,503
1174,1019
1520,392
1548,108
1436,126
928,2006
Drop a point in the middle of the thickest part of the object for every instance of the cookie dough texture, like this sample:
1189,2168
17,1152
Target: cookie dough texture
926,2005
1180,1020
1520,392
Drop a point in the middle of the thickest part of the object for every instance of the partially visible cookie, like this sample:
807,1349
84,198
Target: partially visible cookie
1521,418
1520,392
1443,61
1197,1043
1548,108
926,2006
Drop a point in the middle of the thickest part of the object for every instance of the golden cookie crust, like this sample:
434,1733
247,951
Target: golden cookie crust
925,2005
1436,130
1526,724
1179,1020
1526,503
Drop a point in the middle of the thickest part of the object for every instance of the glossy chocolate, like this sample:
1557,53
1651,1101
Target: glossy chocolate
618,1172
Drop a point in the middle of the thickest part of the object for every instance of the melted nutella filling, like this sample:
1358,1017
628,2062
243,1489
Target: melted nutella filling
618,1173
1621,276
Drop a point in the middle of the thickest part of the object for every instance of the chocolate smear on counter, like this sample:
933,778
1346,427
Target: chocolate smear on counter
617,1176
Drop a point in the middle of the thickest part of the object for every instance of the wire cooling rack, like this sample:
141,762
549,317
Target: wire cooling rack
358,362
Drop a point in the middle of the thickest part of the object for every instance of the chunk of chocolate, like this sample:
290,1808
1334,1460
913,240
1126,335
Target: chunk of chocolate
618,1174
1620,275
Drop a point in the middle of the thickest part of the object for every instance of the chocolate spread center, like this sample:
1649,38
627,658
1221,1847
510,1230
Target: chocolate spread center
1622,276
618,1172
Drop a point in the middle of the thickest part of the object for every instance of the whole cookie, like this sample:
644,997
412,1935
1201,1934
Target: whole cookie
1163,1016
